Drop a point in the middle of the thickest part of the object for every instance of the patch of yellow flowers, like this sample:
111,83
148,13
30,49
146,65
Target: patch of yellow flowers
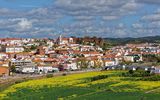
77,80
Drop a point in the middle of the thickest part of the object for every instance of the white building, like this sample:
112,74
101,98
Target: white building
61,40
28,70
72,66
3,55
109,63
46,69
24,66
50,44
11,41
91,54
133,58
10,49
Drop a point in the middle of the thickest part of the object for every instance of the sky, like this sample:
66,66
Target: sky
101,18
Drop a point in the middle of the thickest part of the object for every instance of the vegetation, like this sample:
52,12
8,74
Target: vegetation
33,47
83,63
126,63
144,75
49,75
29,49
12,69
137,73
99,77
123,41
105,85
151,58
151,78
26,49
90,41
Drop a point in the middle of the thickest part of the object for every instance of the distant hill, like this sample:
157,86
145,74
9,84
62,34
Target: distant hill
121,41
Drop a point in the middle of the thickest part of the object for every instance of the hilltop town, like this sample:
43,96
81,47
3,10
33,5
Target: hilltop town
42,56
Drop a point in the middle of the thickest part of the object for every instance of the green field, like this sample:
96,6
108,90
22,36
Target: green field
106,85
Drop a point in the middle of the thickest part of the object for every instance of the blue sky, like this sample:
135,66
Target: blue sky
102,18
24,4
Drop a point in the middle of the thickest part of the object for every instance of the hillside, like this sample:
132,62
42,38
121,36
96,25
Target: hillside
122,41
105,85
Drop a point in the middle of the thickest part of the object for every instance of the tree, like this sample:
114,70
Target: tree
98,64
33,47
83,63
12,69
26,49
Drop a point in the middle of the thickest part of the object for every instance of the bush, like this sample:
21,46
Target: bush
64,74
131,71
49,75
99,77
19,81
137,73
151,78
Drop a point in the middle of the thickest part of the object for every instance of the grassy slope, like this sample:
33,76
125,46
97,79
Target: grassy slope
78,87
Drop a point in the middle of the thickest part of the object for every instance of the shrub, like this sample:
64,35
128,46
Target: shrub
137,73
64,74
131,71
151,78
19,81
49,75
99,77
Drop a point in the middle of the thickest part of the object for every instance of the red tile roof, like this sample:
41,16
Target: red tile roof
4,70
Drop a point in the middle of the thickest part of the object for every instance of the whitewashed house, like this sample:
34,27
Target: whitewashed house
72,66
109,63
12,49
46,69
3,55
28,69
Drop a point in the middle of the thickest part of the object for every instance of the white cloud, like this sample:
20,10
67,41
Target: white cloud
152,17
110,17
24,24
3,10
110,9
149,1
88,17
